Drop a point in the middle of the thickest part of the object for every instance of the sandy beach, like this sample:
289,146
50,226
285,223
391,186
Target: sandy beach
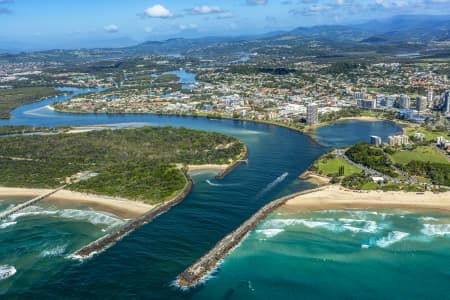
336,197
121,207
210,167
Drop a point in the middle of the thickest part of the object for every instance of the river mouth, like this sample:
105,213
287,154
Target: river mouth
147,261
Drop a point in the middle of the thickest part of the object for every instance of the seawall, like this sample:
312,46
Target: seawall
234,165
111,238
202,267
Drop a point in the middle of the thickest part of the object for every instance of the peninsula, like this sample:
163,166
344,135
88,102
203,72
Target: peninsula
134,173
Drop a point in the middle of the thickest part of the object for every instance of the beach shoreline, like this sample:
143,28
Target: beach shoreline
323,198
121,207
338,197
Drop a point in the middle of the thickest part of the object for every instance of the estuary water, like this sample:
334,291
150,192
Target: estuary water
307,255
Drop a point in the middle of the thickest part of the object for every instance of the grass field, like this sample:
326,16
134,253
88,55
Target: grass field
429,135
421,153
331,166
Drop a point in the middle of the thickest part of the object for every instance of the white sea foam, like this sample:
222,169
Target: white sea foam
56,251
392,238
7,271
94,217
367,226
270,232
436,229
32,211
352,225
428,219
7,224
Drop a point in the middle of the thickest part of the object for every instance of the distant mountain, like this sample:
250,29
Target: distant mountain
374,40
405,33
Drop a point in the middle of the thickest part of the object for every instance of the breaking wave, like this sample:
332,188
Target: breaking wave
56,251
93,217
392,238
334,225
270,232
7,271
7,224
436,229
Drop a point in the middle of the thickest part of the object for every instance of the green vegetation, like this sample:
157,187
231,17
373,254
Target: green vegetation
5,130
421,153
167,78
133,163
359,181
12,98
439,173
430,134
372,157
330,166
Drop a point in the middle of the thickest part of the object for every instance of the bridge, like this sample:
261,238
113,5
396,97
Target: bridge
24,205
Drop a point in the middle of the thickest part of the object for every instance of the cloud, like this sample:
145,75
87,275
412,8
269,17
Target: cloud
257,2
112,28
158,11
206,9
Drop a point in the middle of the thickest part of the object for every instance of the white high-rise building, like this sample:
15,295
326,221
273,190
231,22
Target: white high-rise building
404,102
430,97
312,114
421,103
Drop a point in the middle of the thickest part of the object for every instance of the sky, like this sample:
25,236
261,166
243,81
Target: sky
86,23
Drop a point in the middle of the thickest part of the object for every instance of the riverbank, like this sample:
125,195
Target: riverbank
221,169
314,178
338,197
121,207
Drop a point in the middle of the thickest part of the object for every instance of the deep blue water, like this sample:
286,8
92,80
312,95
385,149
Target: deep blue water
144,264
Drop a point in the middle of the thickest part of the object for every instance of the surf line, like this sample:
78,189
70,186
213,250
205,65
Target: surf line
195,274
110,239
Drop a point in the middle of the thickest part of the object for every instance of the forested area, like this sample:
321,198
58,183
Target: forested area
133,163
439,173
372,157
12,98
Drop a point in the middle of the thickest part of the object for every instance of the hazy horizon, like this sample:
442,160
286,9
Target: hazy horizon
85,24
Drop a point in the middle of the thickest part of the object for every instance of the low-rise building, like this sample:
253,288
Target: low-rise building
398,140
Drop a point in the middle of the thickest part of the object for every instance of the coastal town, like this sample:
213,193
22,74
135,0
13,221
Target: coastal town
241,149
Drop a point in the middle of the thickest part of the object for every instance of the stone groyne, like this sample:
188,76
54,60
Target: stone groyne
24,205
111,238
201,268
234,165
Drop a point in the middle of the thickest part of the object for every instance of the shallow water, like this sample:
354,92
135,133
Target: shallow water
338,255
